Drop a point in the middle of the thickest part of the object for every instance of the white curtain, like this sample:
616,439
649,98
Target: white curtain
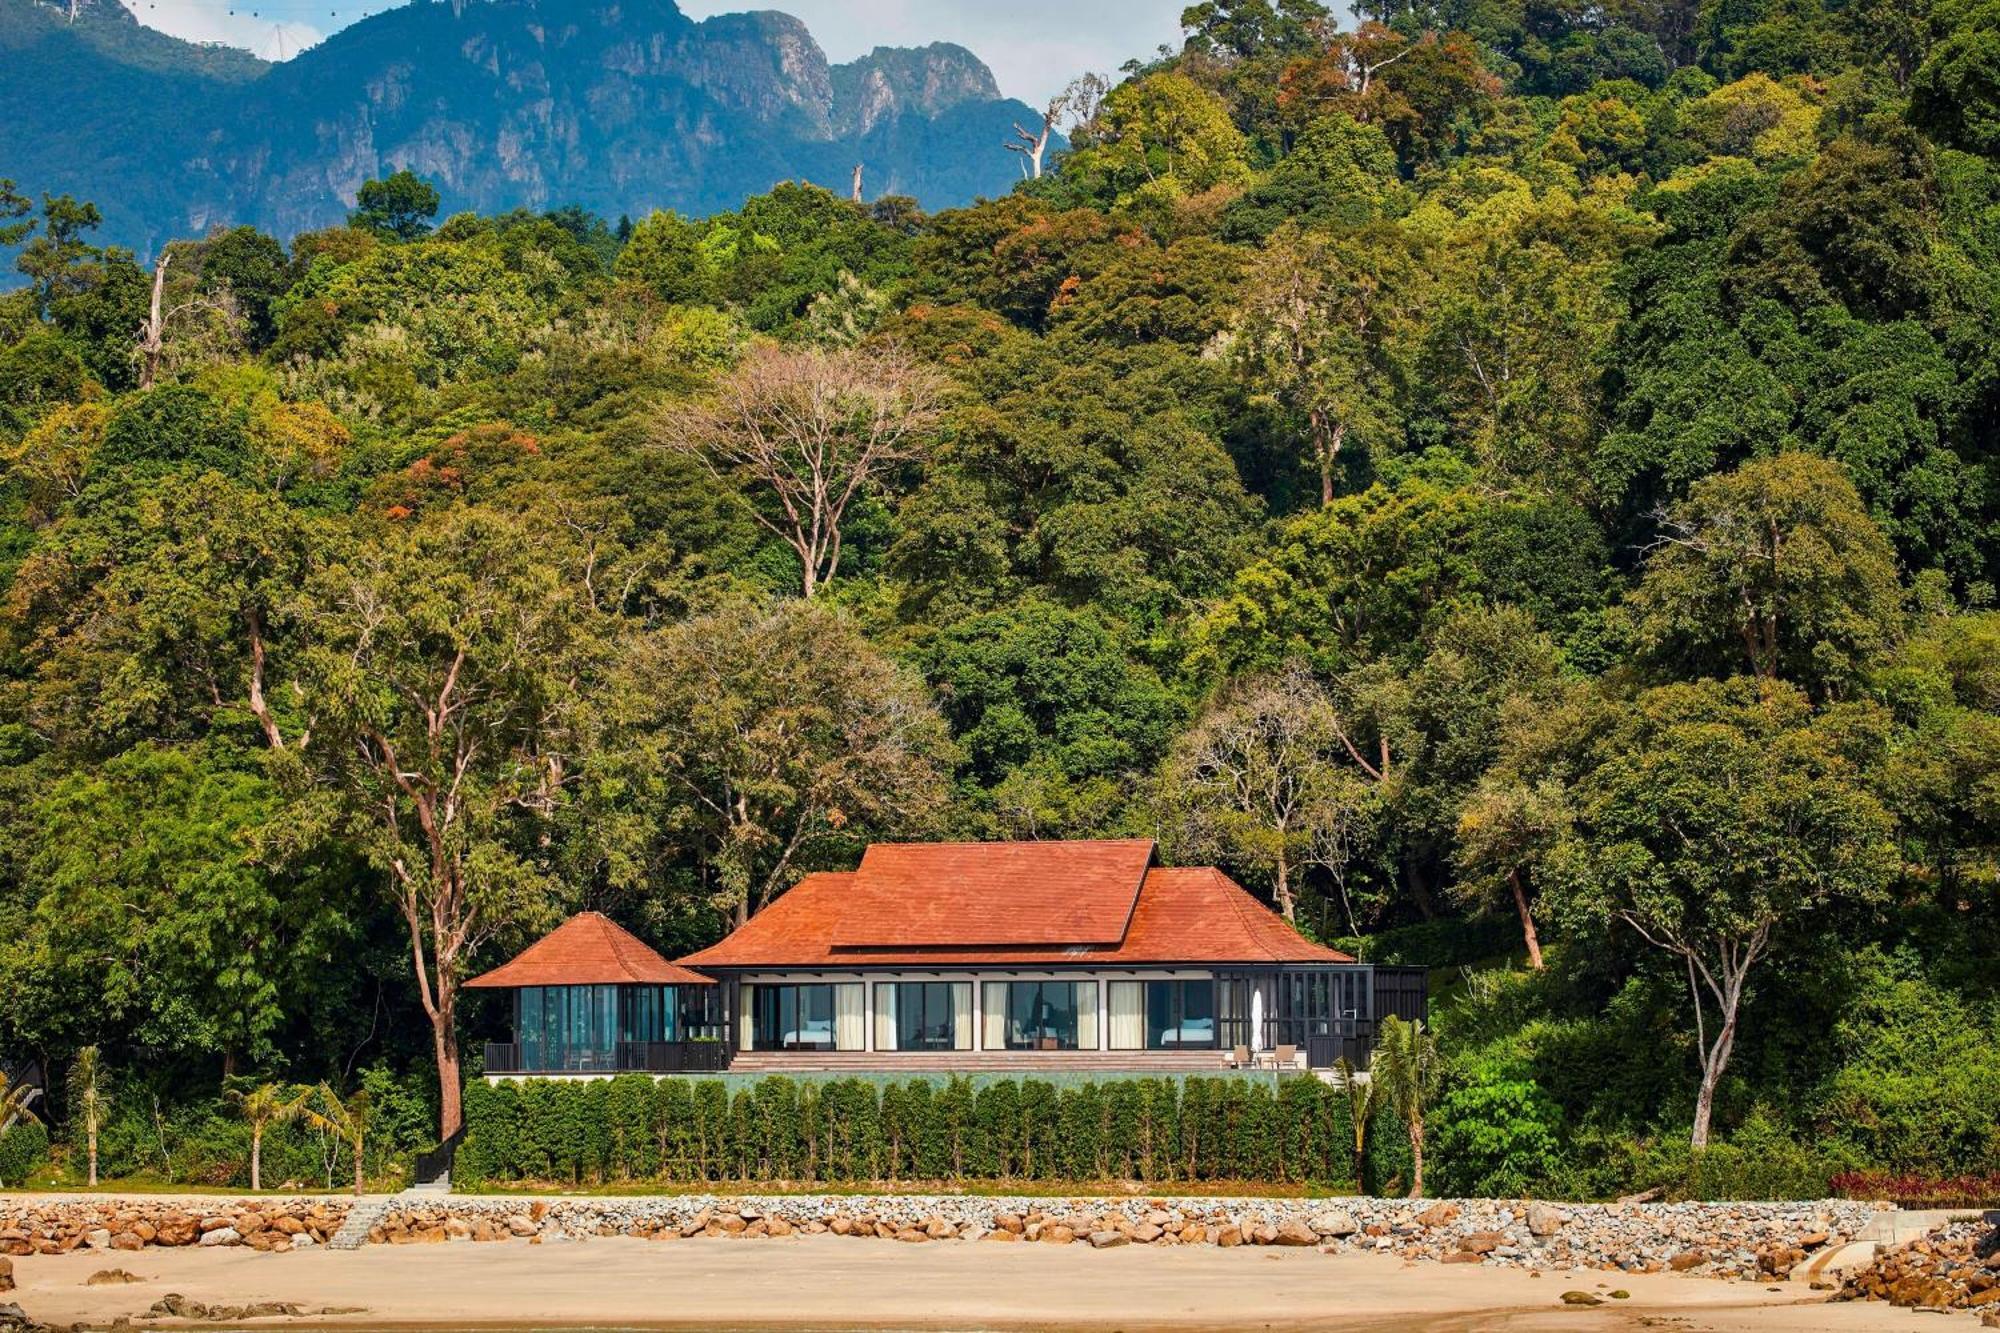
961,1015
1086,1015
885,1016
744,1037
850,1015
1128,1015
995,1036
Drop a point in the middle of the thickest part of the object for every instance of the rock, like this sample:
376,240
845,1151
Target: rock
1439,1215
223,1235
1010,1222
1263,1234
1229,1237
1581,1298
1295,1233
1544,1220
939,1229
6,1274
1002,1235
1687,1259
777,1226
303,1241
215,1224
290,1226
1057,1234
1194,1233
520,1225
128,1241
177,1230
97,1238
912,1236
1336,1223
1148,1232
1481,1242
1105,1240
1463,1257
111,1277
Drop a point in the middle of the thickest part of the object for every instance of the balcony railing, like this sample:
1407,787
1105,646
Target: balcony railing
626,1057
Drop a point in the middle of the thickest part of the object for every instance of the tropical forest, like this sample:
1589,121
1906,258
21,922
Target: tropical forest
1514,483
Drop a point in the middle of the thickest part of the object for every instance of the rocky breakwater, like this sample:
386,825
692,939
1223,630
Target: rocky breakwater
1956,1267
58,1226
1736,1240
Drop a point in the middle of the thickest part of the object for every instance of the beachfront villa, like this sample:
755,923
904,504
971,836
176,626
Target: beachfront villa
959,957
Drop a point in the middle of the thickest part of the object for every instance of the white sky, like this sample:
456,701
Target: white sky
1033,46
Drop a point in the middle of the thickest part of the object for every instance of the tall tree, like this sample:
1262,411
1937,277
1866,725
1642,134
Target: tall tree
813,430
399,207
1775,566
1709,817
1318,339
1262,780
86,1099
768,742
453,671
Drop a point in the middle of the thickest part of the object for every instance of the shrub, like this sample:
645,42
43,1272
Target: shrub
1495,1136
23,1149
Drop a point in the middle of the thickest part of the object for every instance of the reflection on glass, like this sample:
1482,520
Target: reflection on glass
792,1018
1180,1015
1042,1015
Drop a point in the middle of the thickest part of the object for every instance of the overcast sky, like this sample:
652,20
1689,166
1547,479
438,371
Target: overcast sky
1033,46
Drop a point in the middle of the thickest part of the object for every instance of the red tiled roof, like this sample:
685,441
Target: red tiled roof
1189,915
910,894
589,949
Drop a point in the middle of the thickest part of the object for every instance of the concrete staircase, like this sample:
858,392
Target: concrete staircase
365,1213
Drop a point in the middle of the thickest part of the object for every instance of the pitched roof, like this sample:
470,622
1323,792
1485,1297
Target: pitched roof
909,894
589,949
1185,915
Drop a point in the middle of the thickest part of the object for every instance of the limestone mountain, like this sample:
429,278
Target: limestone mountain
618,105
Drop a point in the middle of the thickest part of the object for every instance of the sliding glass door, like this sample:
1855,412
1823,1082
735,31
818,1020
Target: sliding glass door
1162,1015
1041,1015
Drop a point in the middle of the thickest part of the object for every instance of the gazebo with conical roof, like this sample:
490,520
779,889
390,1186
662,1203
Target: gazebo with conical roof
591,998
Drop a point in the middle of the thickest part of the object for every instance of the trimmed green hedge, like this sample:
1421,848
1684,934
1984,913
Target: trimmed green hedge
855,1131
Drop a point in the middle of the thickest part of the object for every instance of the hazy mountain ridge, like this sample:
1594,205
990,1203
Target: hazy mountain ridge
619,105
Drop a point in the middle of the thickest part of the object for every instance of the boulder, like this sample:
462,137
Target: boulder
224,1235
304,1241
1002,1235
1544,1220
1057,1234
97,1238
177,1230
1105,1240
1148,1232
127,1241
1581,1298
1229,1236
778,1226
1194,1233
911,1236
215,1224
287,1225
1295,1232
1462,1257
1263,1234
1010,1222
6,1274
518,1224
111,1277
1337,1222
1481,1242
1687,1259
1439,1215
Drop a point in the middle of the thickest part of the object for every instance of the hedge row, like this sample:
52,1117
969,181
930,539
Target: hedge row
841,1131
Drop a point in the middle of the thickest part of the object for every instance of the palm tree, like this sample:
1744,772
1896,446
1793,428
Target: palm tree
265,1105
346,1120
14,1102
1406,1064
86,1098
1364,1098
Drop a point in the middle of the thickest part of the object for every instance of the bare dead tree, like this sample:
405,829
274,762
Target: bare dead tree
1076,103
856,193
814,428
153,329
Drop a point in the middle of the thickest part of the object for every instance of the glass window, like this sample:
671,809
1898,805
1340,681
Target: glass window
1180,1015
1050,1015
814,1016
923,1016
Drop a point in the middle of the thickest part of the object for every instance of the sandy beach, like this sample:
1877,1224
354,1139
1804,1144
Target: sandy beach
823,1282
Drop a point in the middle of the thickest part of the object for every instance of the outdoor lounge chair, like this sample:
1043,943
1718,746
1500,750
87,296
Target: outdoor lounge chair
1285,1057
1239,1058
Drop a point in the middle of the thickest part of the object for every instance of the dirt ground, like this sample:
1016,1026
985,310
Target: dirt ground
824,1282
